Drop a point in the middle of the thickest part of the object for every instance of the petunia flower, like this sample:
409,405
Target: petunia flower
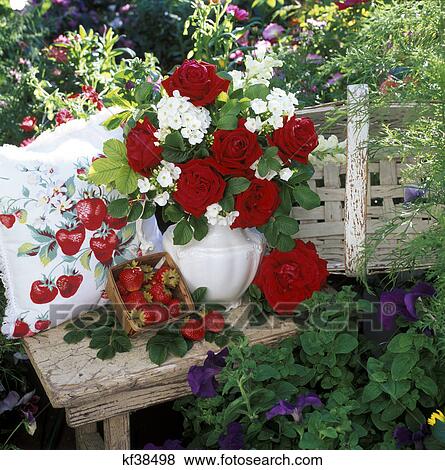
169,444
399,302
233,439
283,407
202,379
272,32
405,437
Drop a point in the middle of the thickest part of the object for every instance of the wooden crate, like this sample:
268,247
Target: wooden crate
357,197
128,324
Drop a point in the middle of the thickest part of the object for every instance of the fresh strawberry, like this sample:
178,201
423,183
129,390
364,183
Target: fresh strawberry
115,223
68,285
148,273
152,314
168,276
43,292
103,247
175,308
120,287
8,220
41,325
20,329
214,322
135,299
91,212
132,278
160,294
193,329
70,241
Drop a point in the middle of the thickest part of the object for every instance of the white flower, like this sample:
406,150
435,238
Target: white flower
285,174
162,199
259,106
174,170
18,5
253,124
237,79
276,121
145,185
213,210
214,217
164,178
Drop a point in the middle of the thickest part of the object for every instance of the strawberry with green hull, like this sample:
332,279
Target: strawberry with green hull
43,292
160,293
8,220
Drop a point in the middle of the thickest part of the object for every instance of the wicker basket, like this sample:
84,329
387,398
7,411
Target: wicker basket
182,292
356,197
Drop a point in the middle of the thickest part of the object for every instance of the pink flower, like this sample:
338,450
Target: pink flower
27,141
349,3
61,39
91,94
239,13
244,39
237,56
272,32
28,123
58,54
63,116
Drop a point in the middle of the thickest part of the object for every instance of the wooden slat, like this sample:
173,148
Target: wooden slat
117,432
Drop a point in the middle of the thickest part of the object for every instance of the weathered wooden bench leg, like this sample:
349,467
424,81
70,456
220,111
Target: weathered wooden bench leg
87,437
117,432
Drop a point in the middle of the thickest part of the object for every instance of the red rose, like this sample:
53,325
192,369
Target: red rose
288,278
198,81
198,186
295,140
256,204
142,153
234,151
28,123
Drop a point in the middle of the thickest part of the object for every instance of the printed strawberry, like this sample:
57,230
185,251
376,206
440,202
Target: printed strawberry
136,299
115,223
160,294
20,329
132,278
68,285
175,308
91,212
70,241
8,220
41,325
43,292
168,276
103,246
193,330
152,314
214,322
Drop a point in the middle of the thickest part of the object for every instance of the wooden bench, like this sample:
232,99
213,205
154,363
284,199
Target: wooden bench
92,390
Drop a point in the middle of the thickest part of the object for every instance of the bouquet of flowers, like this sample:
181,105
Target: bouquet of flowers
212,148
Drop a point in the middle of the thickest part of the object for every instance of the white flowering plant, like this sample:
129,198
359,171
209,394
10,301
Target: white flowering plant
212,148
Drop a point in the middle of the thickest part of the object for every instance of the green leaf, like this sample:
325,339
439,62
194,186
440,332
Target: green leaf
115,149
200,227
126,180
286,224
173,213
306,198
345,343
114,121
98,342
119,208
48,253
371,392
265,372
402,365
198,294
28,249
310,343
143,92
400,343
232,107
105,170
136,211
285,242
157,352
175,141
228,122
227,203
182,233
121,343
237,185
85,260
174,155
178,347
149,210
74,336
107,352
427,385
258,91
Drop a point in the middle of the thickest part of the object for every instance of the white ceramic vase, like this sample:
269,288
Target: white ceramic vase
225,262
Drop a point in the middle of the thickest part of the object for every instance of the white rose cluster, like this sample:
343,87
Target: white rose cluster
177,113
329,150
284,174
162,181
216,216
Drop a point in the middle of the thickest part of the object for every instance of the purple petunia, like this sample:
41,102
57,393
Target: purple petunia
283,407
399,302
334,79
272,32
233,439
404,437
169,444
202,379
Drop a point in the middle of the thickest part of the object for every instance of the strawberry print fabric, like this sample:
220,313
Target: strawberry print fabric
56,239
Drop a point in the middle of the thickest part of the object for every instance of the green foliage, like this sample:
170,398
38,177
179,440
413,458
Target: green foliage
366,391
